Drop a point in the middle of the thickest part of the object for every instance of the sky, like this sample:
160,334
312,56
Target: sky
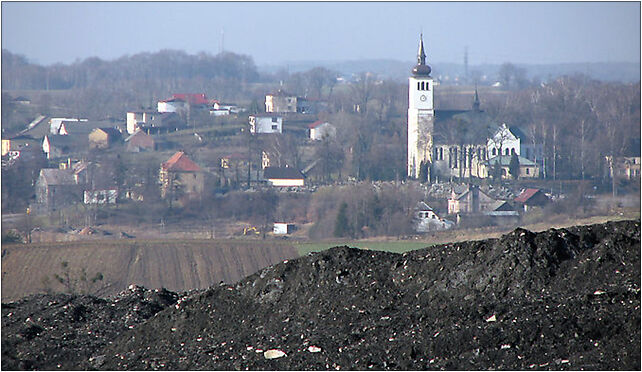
275,33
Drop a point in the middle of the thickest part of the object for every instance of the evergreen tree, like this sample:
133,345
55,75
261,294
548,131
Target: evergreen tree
342,226
513,166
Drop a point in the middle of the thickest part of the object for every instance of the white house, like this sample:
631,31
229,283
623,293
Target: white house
283,177
266,124
136,118
427,220
172,105
320,130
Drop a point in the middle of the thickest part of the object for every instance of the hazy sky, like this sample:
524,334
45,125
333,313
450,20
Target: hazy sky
272,33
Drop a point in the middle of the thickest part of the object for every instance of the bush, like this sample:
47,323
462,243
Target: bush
11,236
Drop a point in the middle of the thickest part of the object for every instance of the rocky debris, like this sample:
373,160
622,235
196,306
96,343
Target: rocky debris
564,299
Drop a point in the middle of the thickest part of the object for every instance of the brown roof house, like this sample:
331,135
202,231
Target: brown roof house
181,178
530,198
139,141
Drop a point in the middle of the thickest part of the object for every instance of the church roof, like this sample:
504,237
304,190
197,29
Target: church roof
462,127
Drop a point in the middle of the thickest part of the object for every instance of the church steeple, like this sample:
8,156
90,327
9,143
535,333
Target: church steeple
421,69
421,55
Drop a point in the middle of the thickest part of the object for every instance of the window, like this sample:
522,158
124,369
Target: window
427,86
528,171
494,152
512,151
274,120
275,127
441,153
418,86
506,151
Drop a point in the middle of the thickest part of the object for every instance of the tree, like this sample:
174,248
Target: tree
513,166
342,226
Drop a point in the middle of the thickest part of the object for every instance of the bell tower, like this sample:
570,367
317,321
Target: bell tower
421,115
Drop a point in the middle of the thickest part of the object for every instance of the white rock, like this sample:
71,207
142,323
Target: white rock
273,354
599,292
491,319
314,349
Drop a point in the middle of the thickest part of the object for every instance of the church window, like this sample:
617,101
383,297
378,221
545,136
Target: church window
418,86
512,151
422,85
455,157
427,88
528,171
441,153
494,152
506,151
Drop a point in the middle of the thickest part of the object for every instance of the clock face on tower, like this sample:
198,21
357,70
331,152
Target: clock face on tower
422,98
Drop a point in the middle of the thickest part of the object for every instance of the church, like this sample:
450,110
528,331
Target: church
462,144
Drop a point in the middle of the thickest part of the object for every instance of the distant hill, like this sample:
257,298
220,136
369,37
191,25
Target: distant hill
399,70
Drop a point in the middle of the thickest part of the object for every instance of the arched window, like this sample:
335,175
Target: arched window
427,88
441,153
422,85
506,151
512,151
494,152
418,86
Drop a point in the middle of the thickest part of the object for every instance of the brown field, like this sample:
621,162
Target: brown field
173,264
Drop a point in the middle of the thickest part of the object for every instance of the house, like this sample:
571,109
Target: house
221,109
55,123
103,138
166,122
283,228
280,101
471,201
527,168
57,188
283,176
320,130
427,220
55,146
266,123
530,198
136,118
628,165
233,160
181,102
139,141
502,213
180,176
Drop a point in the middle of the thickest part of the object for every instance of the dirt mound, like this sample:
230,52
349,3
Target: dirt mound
560,299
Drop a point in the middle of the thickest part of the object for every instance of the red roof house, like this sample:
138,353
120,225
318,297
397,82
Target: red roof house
532,198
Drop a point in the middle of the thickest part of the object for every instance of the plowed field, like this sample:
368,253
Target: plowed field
176,265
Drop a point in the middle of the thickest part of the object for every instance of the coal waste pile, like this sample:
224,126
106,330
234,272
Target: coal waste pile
562,299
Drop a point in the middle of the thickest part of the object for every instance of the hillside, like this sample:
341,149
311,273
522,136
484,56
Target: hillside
564,299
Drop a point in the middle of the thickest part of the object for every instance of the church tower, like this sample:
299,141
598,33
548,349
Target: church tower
421,115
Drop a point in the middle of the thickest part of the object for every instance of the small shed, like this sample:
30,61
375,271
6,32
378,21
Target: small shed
532,198
283,228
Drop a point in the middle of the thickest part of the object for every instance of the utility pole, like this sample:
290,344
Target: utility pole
466,65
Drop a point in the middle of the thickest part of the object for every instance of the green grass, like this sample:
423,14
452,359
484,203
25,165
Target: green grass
395,246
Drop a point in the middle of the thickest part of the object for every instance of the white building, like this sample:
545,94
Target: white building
136,118
282,228
421,114
266,124
283,177
427,220
320,130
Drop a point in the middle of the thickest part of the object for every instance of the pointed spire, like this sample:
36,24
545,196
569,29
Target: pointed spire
421,69
421,54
